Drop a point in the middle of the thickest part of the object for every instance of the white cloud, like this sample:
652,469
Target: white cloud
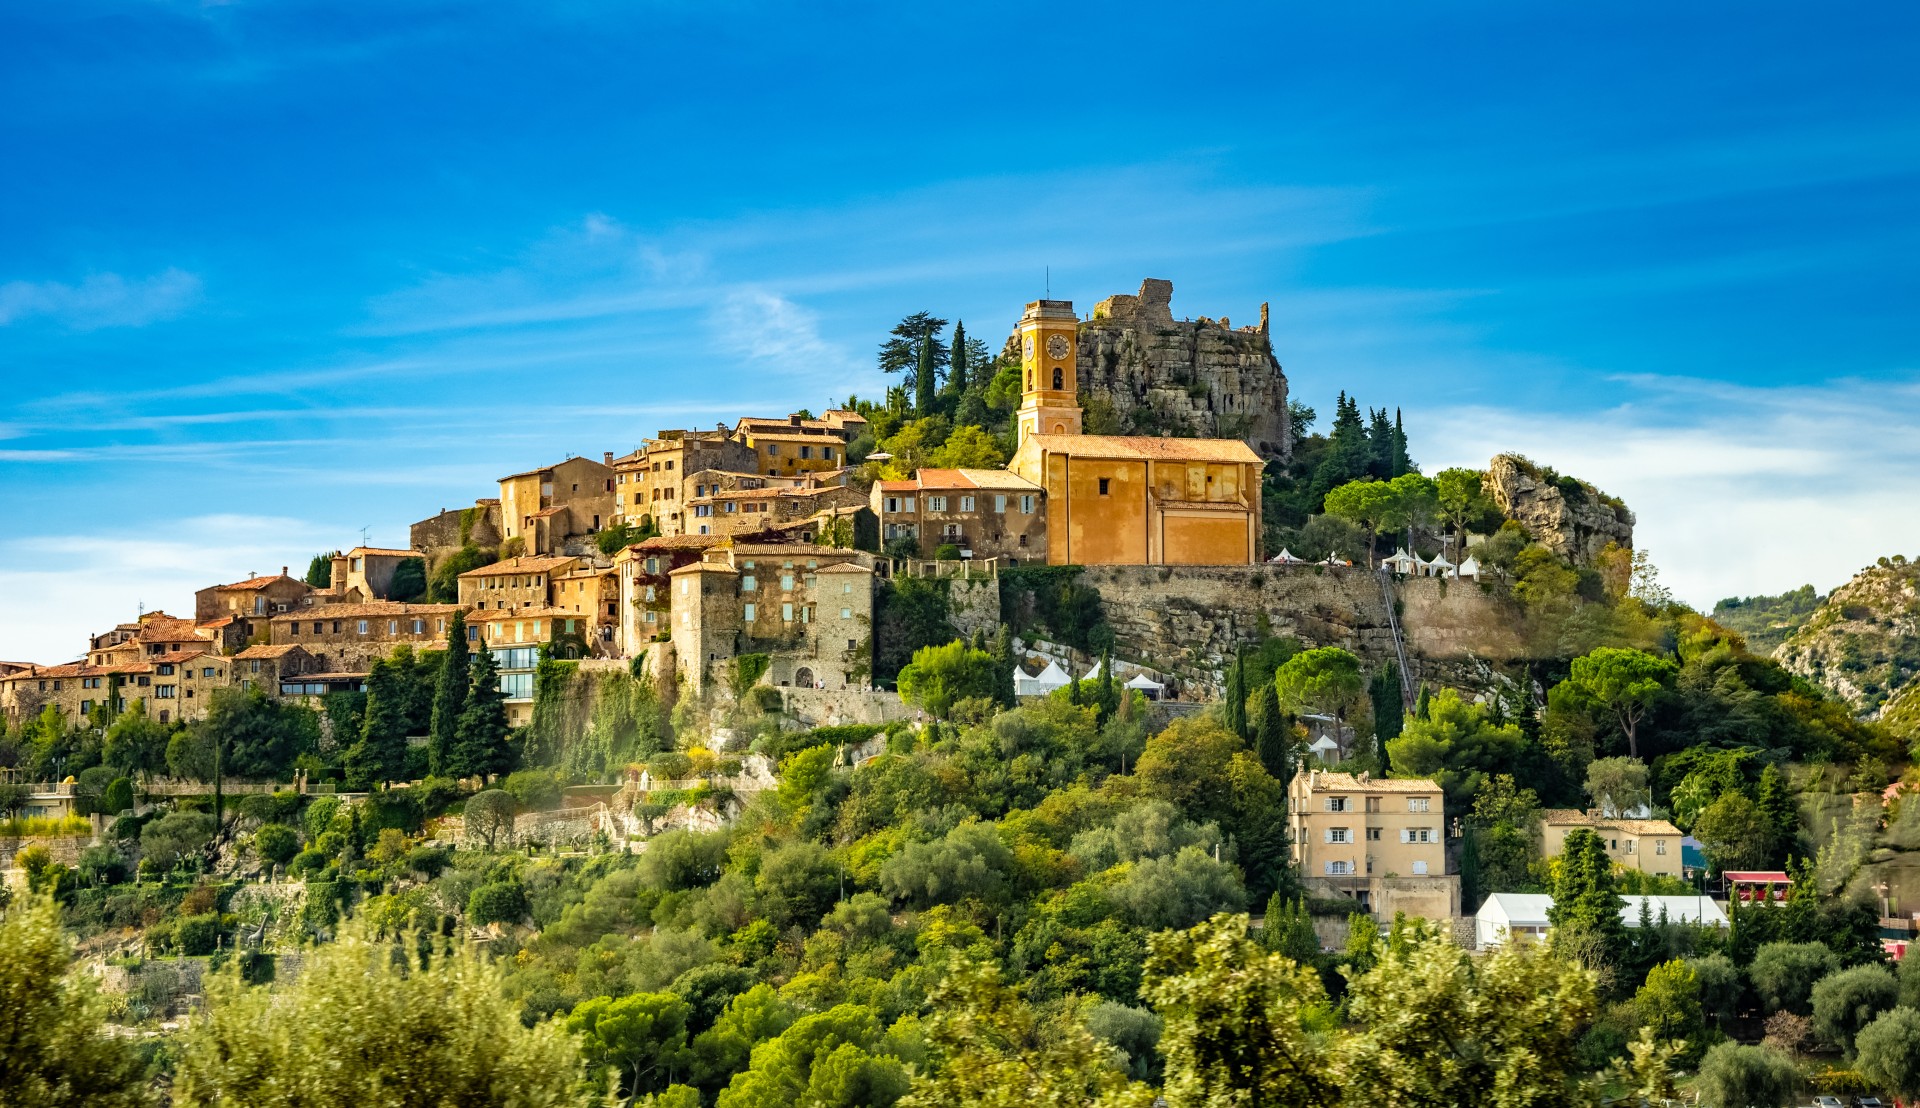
101,300
764,326
1736,490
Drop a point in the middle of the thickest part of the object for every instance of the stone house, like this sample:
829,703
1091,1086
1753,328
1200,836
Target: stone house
523,582
986,513
256,597
264,665
515,638
346,638
592,593
362,574
746,511
810,609
1647,845
546,507
1381,841
650,482
800,445
641,573
452,528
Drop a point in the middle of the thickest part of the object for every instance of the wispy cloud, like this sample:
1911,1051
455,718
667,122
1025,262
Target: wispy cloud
101,300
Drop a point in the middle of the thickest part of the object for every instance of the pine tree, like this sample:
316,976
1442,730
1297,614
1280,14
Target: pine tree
1380,445
1348,452
381,753
481,734
957,361
449,696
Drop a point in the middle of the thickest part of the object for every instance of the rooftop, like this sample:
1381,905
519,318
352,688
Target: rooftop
370,608
523,564
1327,781
1576,818
268,650
1146,448
381,552
260,583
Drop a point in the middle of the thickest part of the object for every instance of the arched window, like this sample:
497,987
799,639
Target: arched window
1059,379
1029,380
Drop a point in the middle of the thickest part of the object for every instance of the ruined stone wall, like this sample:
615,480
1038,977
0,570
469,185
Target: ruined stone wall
1184,620
1143,372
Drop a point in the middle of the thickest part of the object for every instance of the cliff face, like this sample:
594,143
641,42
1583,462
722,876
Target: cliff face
1864,642
1143,372
1569,517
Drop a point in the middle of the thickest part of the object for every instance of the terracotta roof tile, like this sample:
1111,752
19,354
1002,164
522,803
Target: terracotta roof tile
1146,447
253,584
270,650
523,564
370,608
382,552
1326,781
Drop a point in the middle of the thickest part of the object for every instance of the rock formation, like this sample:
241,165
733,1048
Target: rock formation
1566,515
1143,372
1864,642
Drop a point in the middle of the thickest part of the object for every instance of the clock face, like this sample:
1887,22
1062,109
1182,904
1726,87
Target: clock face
1058,347
1029,346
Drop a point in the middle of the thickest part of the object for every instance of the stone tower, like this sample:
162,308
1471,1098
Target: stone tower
1049,383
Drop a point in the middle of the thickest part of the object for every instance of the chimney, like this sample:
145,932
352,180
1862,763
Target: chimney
794,419
283,571
608,455
250,575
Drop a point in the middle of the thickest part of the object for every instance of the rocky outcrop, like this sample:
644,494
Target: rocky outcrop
1864,642
1566,515
1143,372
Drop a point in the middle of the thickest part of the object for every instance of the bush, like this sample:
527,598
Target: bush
103,865
498,902
669,766
536,790
118,796
276,844
195,936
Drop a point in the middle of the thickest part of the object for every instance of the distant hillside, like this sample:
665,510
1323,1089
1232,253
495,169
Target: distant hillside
1766,621
1864,641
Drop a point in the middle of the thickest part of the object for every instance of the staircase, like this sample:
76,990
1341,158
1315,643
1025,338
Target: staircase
1399,644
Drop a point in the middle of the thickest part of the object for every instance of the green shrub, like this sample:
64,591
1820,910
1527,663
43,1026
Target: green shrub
197,935
498,902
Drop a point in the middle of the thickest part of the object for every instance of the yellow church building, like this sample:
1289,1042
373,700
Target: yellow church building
1125,499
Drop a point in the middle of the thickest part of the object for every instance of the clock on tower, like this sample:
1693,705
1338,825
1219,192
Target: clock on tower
1049,402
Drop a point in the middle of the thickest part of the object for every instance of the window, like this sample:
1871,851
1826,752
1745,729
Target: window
806,452
1103,486
336,627
748,614
316,627
1659,846
786,582
773,450
1059,379
1417,803
826,452
363,627
936,503
846,613
163,692
1337,804
747,584
1026,504
1630,846
999,502
966,503
906,503
1416,835
1373,834
164,671
1373,804
207,672
1419,869
846,588
254,666
1339,835
419,626
786,612
1339,867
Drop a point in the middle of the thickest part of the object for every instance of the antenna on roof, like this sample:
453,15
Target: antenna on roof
1049,271
363,534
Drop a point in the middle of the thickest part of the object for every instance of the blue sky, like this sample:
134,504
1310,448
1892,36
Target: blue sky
272,273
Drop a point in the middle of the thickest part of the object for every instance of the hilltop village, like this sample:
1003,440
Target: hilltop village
1043,704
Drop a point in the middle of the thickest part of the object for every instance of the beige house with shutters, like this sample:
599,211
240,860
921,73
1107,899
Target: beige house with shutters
1381,841
1648,845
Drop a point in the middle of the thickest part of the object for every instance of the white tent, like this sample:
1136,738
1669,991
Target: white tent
1401,562
1699,910
1049,679
1284,558
1511,915
1148,685
1470,567
1325,749
1094,673
1440,567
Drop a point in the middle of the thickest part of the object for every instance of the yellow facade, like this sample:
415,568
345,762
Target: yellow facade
1125,499
1648,845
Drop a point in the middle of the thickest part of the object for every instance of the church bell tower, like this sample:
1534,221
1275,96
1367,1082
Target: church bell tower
1049,387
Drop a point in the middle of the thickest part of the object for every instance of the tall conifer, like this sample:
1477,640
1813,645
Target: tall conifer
449,696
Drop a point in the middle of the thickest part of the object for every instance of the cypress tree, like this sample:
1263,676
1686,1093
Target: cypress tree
1237,694
1109,700
1270,727
449,696
957,360
1389,712
381,753
1003,667
1380,445
481,734
1402,461
923,383
1777,808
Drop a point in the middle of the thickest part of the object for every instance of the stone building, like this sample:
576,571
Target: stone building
593,594
255,598
745,511
346,638
650,482
986,513
799,445
809,609
362,574
264,665
1125,499
515,638
546,507
523,582
452,528
1381,841
1647,845
642,572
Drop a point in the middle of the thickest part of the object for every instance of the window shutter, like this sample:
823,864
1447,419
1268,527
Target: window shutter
1406,836
1329,834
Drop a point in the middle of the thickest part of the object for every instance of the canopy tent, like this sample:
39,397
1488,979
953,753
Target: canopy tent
1401,562
1325,749
1094,673
1439,567
1470,567
1525,914
1285,558
1047,680
1145,684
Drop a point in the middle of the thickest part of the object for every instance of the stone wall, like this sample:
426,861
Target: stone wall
973,604
833,707
442,532
1149,373
1184,620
